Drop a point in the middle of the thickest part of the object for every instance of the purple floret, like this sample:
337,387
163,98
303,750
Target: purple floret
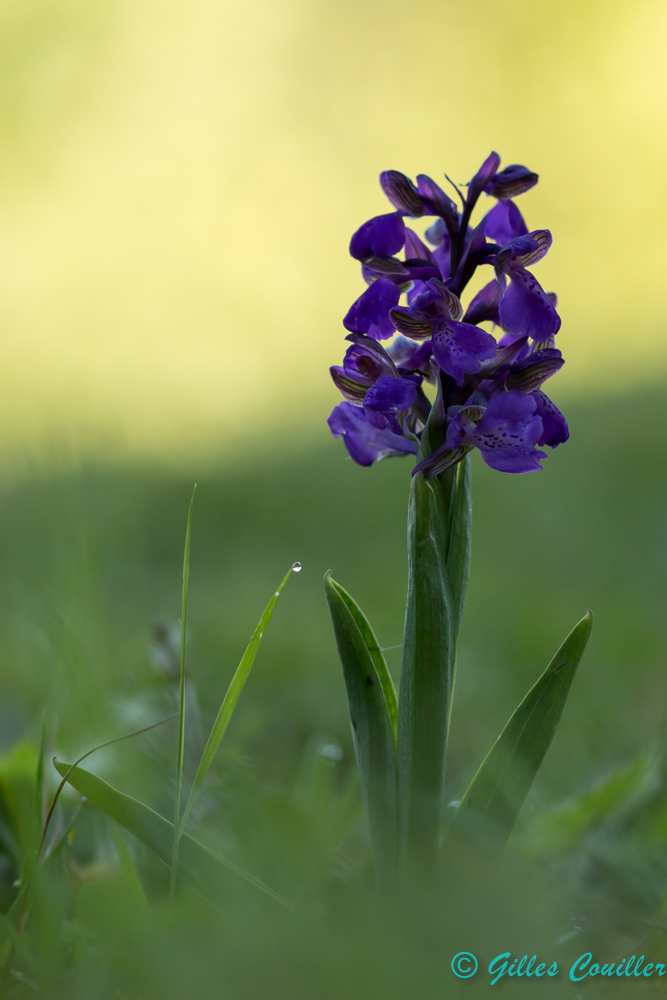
365,443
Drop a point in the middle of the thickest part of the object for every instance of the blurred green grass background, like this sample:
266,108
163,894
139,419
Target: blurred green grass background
91,560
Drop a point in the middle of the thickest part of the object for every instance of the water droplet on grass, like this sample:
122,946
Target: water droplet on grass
296,568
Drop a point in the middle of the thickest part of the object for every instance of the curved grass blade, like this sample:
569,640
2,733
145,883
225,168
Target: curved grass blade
376,654
372,732
199,865
429,643
231,698
181,699
494,797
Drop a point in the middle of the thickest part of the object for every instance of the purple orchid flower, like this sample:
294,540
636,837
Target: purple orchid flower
365,443
489,393
525,309
387,397
459,348
506,435
369,378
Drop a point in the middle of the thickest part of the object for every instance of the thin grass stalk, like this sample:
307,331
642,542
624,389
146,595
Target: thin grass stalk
181,703
231,698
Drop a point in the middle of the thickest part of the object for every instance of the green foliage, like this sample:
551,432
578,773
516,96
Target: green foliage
372,724
231,698
91,559
429,641
491,803
203,867
180,760
618,795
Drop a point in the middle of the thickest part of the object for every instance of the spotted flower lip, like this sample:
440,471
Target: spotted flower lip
460,348
508,433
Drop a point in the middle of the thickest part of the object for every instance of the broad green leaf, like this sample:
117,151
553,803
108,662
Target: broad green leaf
494,797
372,732
426,677
375,651
232,696
202,867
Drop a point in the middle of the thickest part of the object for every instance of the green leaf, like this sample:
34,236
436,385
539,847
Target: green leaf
494,797
618,795
426,678
202,867
373,647
372,729
231,698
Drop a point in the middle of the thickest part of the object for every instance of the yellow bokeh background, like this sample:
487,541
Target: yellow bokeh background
179,180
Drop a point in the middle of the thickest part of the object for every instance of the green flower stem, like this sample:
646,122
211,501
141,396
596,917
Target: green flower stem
429,645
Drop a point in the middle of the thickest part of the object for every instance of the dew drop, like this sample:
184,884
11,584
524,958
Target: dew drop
261,634
296,568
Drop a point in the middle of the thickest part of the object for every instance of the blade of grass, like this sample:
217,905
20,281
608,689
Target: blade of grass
200,865
39,783
181,703
231,698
